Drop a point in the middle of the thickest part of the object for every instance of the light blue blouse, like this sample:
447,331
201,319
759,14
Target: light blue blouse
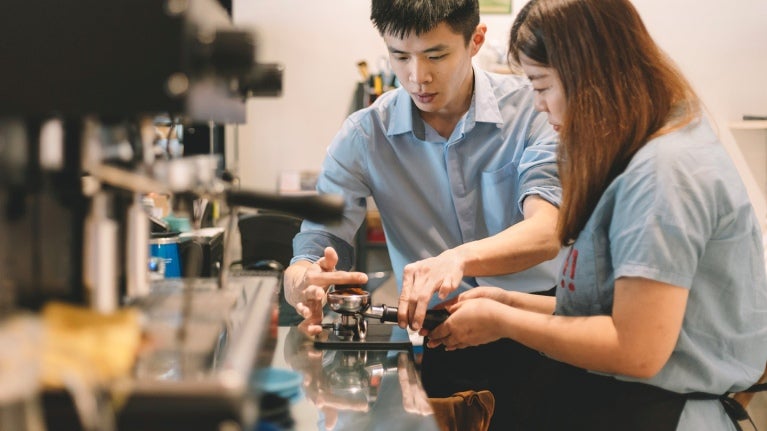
680,214
434,194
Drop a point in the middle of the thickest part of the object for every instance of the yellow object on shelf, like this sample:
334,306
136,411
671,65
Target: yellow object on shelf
91,347
378,85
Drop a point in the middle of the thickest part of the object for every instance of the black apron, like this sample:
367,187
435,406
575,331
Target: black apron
588,401
535,393
503,367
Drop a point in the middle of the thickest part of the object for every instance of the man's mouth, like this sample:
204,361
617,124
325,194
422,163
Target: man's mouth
425,97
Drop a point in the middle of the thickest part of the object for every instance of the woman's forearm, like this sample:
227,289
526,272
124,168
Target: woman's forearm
530,302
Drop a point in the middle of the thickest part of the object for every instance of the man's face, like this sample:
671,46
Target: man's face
435,68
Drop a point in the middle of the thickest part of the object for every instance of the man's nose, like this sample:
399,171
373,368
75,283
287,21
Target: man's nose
419,72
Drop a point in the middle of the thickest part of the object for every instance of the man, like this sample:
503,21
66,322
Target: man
463,171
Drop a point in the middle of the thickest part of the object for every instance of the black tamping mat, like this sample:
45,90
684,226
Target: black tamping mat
379,337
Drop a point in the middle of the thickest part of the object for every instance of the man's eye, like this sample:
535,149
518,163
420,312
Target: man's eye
437,57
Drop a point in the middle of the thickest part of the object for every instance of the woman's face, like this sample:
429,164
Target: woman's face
549,93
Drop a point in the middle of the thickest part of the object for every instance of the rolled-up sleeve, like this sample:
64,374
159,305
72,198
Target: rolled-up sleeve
343,173
310,246
538,172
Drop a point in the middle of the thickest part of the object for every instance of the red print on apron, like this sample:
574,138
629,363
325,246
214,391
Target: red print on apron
568,271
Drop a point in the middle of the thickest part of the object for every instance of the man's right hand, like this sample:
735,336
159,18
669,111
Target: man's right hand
307,283
421,280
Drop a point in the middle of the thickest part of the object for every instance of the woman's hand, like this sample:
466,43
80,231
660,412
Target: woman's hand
472,322
492,293
495,293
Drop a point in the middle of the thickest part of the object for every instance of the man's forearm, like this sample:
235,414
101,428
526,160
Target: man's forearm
507,253
532,241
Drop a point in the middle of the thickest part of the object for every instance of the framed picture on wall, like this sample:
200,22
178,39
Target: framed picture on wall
495,6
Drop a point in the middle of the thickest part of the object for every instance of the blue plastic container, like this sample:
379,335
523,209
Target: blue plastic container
165,246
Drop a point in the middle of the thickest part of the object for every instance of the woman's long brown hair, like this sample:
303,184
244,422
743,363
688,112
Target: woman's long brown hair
621,91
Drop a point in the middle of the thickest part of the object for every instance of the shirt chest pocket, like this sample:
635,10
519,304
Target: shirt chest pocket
499,198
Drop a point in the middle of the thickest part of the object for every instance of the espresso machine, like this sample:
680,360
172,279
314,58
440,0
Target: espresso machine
81,84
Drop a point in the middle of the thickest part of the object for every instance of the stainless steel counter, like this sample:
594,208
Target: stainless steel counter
204,342
193,372
354,389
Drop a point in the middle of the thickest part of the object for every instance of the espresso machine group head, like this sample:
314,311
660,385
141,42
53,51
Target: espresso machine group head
82,84
82,87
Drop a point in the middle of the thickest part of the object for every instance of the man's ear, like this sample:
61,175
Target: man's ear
478,38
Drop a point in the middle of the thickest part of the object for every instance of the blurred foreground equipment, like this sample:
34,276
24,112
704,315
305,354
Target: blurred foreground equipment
82,87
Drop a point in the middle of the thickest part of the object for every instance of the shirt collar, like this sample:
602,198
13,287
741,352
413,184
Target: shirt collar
402,121
483,109
487,108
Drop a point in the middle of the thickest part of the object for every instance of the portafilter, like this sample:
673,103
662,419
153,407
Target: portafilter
353,304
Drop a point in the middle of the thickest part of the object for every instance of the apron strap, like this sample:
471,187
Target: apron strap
732,407
759,387
735,411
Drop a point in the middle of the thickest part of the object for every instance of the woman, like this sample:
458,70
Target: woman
663,298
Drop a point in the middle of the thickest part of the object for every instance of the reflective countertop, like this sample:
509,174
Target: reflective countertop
354,389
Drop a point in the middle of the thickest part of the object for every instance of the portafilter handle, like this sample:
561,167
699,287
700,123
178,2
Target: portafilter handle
385,313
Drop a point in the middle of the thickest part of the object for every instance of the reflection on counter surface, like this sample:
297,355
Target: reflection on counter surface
355,389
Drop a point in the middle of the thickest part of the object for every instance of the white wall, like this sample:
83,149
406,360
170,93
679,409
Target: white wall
722,49
720,46
319,43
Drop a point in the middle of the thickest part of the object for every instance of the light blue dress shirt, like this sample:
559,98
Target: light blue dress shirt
679,214
433,193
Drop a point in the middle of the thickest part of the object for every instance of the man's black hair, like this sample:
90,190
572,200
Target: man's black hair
400,18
